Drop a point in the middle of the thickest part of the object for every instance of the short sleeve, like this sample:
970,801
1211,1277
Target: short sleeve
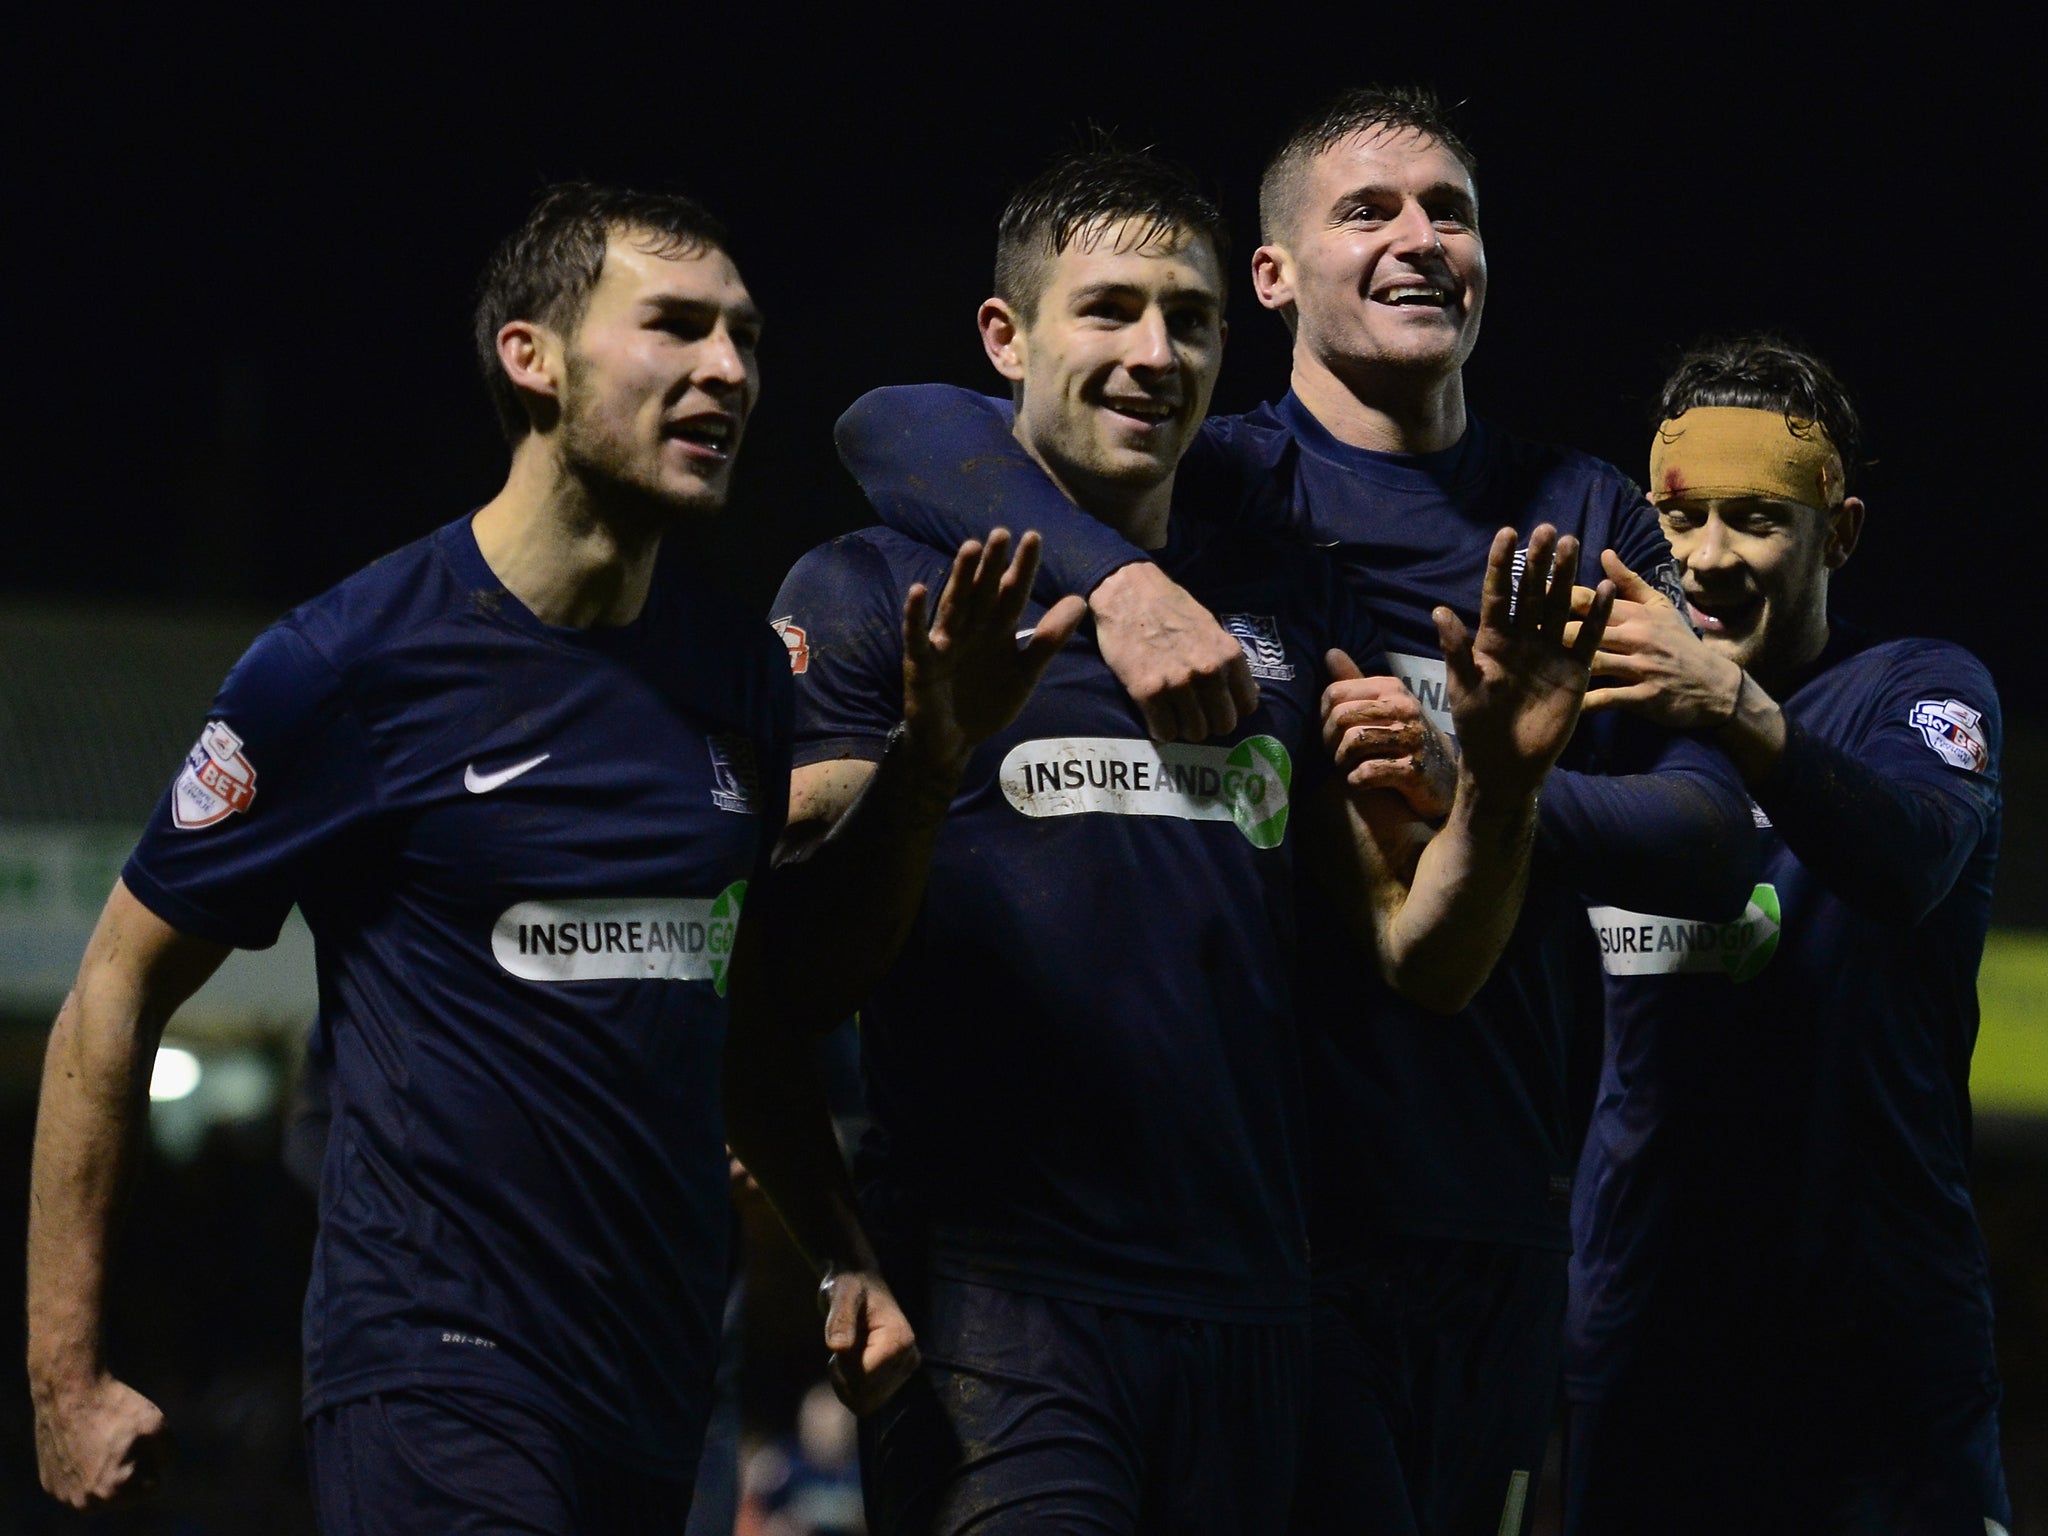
840,616
280,773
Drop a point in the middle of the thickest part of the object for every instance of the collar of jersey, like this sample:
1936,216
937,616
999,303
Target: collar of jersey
458,544
1444,472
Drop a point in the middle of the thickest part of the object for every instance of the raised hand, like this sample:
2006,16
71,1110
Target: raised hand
98,1445
873,1349
965,675
1515,686
1657,666
1381,739
1184,671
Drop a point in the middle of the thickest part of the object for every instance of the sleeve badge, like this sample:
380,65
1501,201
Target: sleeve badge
1954,731
217,781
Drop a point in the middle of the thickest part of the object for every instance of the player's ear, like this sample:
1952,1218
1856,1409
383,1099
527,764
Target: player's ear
1273,276
1002,338
531,356
1845,527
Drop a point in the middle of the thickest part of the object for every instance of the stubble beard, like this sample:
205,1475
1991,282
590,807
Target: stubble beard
615,481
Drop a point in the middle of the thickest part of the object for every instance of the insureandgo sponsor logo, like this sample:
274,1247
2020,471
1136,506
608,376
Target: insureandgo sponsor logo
1641,944
1068,775
621,938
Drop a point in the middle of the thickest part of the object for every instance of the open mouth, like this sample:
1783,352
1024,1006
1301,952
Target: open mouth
1723,615
1146,413
1417,294
707,437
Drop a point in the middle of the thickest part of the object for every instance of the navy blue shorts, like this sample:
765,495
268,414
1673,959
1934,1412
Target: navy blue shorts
1037,1414
1859,1465
1433,1389
464,1464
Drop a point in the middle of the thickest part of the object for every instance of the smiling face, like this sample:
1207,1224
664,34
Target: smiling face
1383,268
660,376
1118,359
1756,574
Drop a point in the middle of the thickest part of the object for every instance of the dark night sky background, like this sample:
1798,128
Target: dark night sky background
243,256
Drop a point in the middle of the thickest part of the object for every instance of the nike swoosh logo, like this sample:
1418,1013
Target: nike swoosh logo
483,783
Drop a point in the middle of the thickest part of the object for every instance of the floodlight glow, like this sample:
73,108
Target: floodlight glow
174,1076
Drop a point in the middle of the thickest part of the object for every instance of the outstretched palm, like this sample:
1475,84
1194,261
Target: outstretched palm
966,675
1515,686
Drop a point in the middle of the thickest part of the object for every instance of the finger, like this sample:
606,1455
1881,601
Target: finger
890,1361
1455,640
1188,721
1341,667
1595,625
1219,710
983,591
1159,717
1533,585
1054,629
917,632
843,1318
1618,698
1627,584
1557,597
1497,589
953,596
1013,591
1244,688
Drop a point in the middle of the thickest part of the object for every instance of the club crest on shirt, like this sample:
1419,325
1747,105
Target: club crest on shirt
1258,636
796,641
1953,730
734,777
217,780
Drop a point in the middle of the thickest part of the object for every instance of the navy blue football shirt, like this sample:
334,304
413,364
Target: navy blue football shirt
1083,1067
1459,1129
522,851
1777,1171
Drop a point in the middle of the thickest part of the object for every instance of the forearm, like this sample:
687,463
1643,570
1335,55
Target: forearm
941,464
1440,939
1888,848
779,1124
1672,842
93,1104
845,897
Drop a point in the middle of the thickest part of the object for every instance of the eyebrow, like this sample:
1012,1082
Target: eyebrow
1437,189
675,304
1132,291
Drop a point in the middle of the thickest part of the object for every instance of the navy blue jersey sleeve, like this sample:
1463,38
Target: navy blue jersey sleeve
280,774
1890,824
939,463
840,616
1670,832
1636,536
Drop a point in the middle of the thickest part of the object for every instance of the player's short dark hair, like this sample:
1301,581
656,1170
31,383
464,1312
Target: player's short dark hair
544,271
1082,191
1362,109
1768,373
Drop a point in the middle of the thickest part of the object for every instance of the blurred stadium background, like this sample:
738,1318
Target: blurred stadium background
206,1303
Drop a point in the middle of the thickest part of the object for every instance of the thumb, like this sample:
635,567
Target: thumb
842,1323
1455,641
1627,584
1342,668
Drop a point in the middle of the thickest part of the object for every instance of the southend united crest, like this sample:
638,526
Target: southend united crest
1258,636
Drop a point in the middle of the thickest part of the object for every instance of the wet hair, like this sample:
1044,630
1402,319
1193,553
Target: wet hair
1363,109
1084,191
545,270
1768,373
